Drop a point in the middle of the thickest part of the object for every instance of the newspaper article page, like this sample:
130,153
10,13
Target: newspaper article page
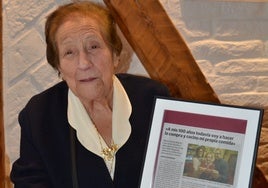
198,151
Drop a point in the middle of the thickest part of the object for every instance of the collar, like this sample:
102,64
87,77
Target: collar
85,129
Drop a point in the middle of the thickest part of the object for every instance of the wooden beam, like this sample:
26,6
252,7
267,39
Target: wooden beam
161,49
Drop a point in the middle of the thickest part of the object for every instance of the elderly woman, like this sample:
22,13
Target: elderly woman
89,130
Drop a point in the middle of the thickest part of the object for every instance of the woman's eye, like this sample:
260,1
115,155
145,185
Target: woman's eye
94,47
68,53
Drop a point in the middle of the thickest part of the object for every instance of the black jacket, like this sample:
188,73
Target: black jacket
45,154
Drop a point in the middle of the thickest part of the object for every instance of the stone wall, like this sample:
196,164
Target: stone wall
229,40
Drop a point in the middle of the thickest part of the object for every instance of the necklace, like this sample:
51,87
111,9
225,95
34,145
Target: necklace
108,154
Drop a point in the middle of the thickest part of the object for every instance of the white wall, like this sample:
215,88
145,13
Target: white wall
228,40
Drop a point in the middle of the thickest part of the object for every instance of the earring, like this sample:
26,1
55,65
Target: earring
60,75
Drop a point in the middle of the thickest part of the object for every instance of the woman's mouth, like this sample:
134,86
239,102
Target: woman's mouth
88,79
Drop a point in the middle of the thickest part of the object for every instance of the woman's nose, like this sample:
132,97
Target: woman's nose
84,61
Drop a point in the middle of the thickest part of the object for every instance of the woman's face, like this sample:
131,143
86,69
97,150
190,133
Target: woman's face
209,158
86,62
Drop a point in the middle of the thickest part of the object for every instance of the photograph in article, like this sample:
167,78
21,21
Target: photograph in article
210,163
